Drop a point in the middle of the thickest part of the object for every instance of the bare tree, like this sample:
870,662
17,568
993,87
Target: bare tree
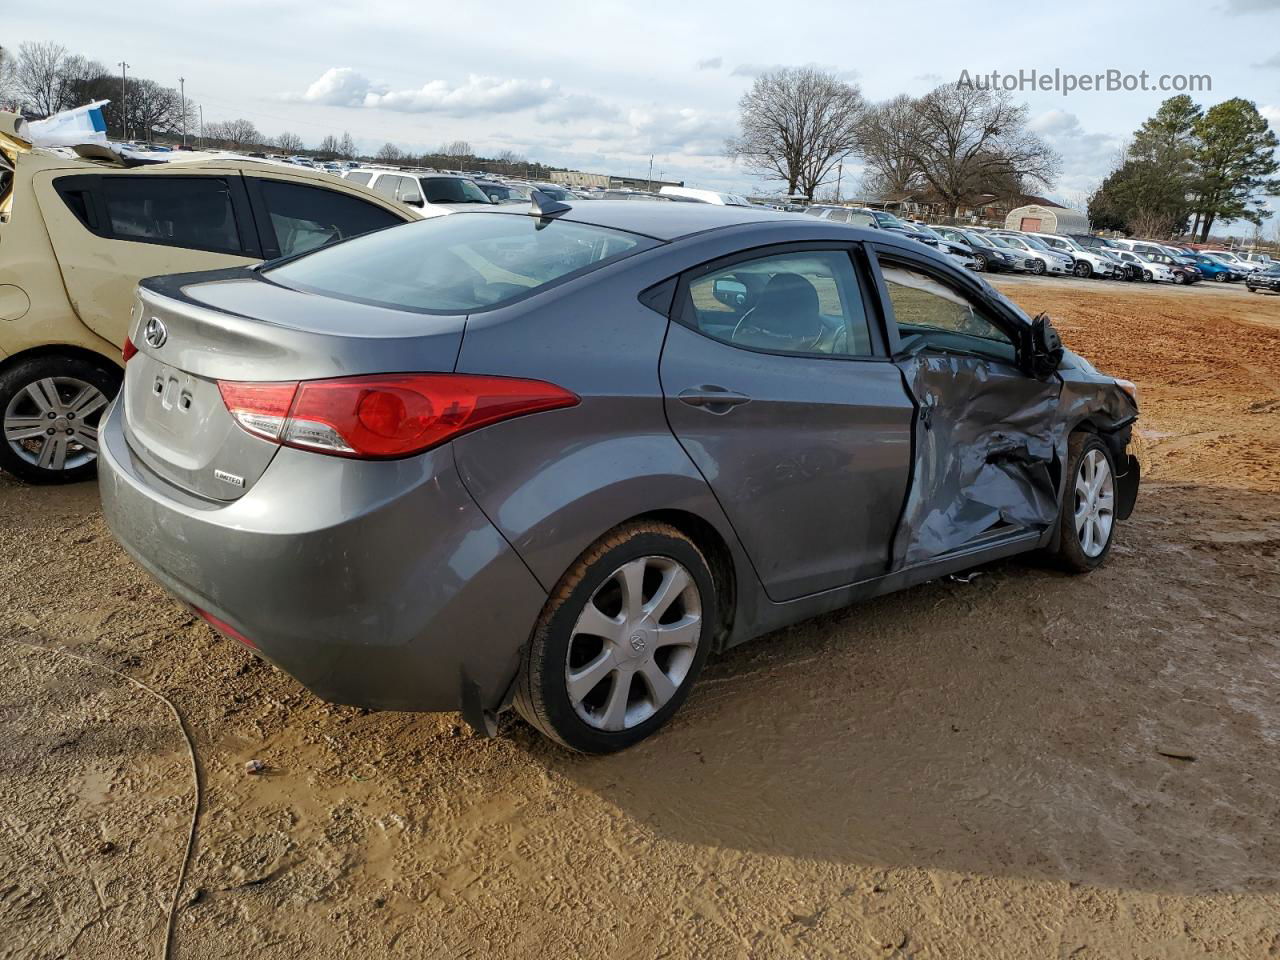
155,107
329,146
886,138
235,134
8,79
971,142
346,146
388,153
289,142
39,76
457,150
797,124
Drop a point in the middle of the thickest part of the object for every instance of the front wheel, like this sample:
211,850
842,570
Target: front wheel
1038,267
622,639
1088,519
51,407
1221,278
1083,270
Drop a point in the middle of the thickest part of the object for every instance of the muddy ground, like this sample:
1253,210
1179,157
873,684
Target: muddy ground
1026,765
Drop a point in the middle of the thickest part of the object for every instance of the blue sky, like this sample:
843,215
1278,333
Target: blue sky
601,86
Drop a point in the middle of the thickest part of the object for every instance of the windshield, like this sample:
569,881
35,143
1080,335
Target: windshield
456,264
974,239
555,193
1035,243
888,220
452,190
927,231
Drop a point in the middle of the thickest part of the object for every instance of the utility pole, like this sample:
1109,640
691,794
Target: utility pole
651,173
202,124
182,85
124,98
839,177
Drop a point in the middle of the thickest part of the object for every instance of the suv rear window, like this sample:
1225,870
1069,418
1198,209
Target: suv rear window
457,263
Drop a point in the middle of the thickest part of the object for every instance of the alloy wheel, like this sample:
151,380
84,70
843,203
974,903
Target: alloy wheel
1095,503
53,422
634,643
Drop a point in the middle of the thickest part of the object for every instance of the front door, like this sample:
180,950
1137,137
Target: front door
778,386
986,433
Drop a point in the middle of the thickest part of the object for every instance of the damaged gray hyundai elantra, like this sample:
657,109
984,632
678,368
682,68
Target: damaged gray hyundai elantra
554,458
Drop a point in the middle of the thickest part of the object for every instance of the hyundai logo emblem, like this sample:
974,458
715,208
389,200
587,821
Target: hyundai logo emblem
155,334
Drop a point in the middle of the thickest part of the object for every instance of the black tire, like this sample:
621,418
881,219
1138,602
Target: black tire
98,373
1147,277
1071,555
1038,267
1221,278
541,692
981,265
1179,279
1083,269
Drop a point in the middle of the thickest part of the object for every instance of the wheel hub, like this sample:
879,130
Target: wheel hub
633,643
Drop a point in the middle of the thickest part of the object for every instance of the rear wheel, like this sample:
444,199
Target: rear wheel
622,639
1088,519
51,407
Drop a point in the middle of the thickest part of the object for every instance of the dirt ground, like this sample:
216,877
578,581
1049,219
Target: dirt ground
1025,765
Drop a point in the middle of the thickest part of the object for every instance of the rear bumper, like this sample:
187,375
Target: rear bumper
377,584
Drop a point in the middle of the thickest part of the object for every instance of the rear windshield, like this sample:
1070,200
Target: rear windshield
452,190
456,263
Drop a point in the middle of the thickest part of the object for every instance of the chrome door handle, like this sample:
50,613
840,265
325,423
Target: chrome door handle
712,398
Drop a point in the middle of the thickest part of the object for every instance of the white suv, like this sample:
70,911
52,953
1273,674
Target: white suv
431,193
1087,262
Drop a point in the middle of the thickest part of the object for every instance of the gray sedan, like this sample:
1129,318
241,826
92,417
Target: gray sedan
554,458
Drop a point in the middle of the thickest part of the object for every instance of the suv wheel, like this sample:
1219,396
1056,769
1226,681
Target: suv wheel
621,640
1088,519
1083,270
51,407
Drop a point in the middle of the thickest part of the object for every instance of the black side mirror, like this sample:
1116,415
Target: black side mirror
1042,348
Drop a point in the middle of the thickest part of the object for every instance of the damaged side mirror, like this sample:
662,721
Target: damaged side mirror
1042,348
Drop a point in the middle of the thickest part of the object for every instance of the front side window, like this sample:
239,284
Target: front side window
795,303
931,314
457,264
192,212
305,217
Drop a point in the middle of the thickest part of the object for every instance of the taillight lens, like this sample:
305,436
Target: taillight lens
128,351
387,415
223,627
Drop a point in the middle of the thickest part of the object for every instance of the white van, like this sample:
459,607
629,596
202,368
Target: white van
707,196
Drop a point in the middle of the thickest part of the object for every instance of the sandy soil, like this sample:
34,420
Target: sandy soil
1025,765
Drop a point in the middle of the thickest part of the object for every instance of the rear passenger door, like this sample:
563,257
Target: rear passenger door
777,384
111,229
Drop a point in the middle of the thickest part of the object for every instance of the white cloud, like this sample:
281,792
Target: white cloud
345,87
1086,157
711,63
1252,6
1272,116
576,106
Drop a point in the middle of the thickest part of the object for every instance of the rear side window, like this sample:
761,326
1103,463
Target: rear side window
387,185
458,263
192,212
304,217
807,302
360,177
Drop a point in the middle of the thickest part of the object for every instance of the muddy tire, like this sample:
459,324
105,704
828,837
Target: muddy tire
50,408
621,640
1087,523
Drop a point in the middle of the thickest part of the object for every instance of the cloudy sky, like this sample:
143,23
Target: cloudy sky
600,86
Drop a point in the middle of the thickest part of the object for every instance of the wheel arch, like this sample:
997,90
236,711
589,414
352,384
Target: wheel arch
70,350
719,556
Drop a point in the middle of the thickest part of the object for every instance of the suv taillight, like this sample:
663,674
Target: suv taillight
386,415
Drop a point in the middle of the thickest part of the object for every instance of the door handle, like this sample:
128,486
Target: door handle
712,398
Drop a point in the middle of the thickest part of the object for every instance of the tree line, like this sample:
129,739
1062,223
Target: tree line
958,143
1187,168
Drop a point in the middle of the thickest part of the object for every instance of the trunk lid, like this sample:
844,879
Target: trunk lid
192,334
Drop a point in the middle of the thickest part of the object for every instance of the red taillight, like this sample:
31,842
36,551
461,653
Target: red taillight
223,627
384,416
128,350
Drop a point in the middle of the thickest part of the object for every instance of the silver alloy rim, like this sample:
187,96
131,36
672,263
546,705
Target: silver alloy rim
1095,503
53,423
633,644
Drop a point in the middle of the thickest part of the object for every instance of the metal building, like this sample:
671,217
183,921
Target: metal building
1038,218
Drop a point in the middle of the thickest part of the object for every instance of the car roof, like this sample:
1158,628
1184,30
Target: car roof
662,221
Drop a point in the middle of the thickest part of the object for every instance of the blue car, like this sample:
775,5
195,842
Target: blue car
1212,269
